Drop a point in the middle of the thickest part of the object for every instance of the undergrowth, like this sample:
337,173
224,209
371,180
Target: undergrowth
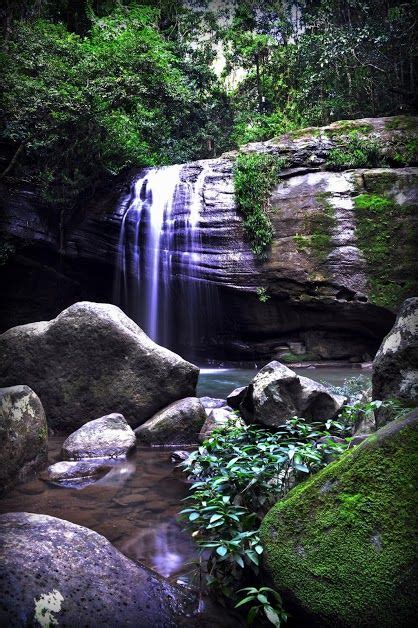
240,472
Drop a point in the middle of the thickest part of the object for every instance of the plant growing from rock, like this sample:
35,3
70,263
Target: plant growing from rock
255,176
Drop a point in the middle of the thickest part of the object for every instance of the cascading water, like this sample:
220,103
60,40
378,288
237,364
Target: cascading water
158,280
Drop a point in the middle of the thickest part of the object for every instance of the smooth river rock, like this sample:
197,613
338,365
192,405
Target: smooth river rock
109,436
277,393
75,470
23,435
91,360
178,424
395,367
53,572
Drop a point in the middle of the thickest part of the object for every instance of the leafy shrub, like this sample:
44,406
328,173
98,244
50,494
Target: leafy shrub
255,176
241,471
357,152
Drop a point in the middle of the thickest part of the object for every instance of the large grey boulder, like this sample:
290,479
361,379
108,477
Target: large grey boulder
56,572
107,437
23,435
178,424
395,367
276,393
91,360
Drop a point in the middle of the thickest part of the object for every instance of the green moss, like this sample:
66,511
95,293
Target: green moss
311,131
405,152
344,543
345,127
403,123
255,176
387,238
355,152
290,358
318,225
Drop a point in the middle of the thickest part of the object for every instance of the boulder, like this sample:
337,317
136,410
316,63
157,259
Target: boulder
342,545
218,417
276,393
56,572
23,435
395,367
90,360
178,424
107,437
75,471
236,396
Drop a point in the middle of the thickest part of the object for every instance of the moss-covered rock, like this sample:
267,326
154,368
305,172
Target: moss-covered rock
343,544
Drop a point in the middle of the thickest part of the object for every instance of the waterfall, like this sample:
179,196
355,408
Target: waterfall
158,281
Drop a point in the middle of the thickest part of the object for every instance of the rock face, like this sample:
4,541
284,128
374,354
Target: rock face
107,437
323,303
276,393
23,435
395,367
55,572
342,545
218,417
92,360
178,424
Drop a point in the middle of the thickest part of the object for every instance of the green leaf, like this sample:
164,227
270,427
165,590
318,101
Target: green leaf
222,550
272,616
193,516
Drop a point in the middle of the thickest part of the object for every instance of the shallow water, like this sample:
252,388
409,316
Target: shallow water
219,383
135,504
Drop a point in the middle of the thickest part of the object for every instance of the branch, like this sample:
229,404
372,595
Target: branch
13,161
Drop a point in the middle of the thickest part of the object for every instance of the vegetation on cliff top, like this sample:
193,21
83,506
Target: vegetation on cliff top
89,89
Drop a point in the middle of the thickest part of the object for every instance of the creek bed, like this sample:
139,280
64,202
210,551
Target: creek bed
135,505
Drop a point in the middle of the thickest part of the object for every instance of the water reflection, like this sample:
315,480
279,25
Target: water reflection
134,506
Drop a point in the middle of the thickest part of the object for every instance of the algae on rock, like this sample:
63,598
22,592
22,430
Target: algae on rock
343,544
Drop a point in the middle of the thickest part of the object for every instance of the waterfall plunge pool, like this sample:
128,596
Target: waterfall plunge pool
135,505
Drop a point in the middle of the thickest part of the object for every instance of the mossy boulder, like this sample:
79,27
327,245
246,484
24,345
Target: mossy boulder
23,435
343,545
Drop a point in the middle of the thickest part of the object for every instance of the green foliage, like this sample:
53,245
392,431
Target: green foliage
290,358
240,472
255,176
262,294
126,93
263,601
353,523
386,235
356,152
353,387
6,251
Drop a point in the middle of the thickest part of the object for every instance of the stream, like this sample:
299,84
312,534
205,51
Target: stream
135,505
